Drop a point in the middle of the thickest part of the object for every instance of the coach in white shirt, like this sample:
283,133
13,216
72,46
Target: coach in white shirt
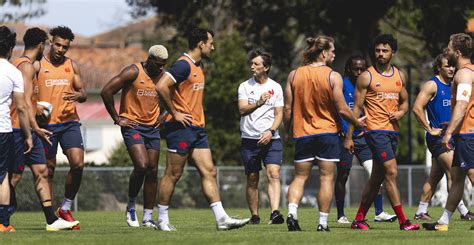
261,111
11,85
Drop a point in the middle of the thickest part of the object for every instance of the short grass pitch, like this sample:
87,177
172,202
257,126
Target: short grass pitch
197,226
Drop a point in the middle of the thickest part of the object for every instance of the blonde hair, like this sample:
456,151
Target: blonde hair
315,46
158,51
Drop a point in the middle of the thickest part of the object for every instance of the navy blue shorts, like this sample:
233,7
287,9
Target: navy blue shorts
464,153
435,145
36,156
382,145
361,151
182,140
320,147
253,154
67,134
143,135
7,154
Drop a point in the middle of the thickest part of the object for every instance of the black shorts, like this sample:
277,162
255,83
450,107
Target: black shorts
464,153
435,145
253,154
383,145
7,154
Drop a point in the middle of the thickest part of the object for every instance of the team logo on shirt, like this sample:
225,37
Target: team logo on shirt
251,92
56,82
195,74
271,92
398,83
198,86
350,95
446,102
390,96
442,92
147,93
67,69
142,82
46,71
377,84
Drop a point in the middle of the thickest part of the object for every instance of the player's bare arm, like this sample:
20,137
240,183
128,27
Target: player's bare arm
164,87
245,108
463,79
266,137
427,92
79,94
126,76
362,84
403,102
19,100
338,99
288,106
28,73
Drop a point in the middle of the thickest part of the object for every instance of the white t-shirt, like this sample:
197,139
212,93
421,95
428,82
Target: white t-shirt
11,80
260,120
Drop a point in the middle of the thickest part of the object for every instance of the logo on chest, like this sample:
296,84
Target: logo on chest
198,86
56,82
146,93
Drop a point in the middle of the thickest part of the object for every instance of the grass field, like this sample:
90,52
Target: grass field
197,226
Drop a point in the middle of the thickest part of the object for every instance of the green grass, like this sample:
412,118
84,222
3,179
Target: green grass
197,226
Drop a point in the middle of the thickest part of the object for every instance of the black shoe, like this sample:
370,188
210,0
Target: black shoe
292,223
435,227
255,220
424,216
469,216
322,228
276,218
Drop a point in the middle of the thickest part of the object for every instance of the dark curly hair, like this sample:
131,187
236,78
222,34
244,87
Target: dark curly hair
347,66
63,32
33,37
7,40
385,39
196,35
266,57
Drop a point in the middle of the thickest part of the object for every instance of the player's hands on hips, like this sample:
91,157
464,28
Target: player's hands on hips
28,145
184,119
265,138
39,110
349,145
396,116
44,134
445,142
436,131
72,96
125,122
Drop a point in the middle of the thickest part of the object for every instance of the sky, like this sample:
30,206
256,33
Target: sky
85,17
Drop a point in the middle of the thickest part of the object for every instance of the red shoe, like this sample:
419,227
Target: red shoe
408,226
67,215
360,225
5,229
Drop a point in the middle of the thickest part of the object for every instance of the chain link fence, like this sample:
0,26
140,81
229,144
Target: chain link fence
106,188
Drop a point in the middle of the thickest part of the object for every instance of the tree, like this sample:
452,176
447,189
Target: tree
19,10
280,27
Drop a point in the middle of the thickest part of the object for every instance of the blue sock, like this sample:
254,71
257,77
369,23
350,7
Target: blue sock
4,215
340,208
378,204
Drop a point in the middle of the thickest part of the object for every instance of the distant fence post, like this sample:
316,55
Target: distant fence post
282,190
410,189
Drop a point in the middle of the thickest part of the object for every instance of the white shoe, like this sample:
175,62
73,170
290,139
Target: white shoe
229,223
131,216
166,226
343,220
149,224
61,224
385,217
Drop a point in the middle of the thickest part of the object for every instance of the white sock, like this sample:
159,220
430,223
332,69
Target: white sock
444,220
292,209
422,208
462,208
323,219
163,214
131,203
218,210
147,214
368,166
66,204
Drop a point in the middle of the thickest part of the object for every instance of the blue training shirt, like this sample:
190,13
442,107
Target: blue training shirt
348,91
439,108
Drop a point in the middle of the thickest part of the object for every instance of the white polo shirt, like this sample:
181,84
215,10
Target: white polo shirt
11,80
253,125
